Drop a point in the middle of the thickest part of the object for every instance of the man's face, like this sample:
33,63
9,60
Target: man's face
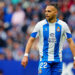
50,12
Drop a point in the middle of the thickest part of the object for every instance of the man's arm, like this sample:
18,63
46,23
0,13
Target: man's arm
29,44
72,47
28,47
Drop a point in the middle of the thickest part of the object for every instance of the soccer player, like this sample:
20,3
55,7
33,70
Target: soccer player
51,32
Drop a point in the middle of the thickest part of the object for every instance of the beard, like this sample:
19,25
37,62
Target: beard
51,18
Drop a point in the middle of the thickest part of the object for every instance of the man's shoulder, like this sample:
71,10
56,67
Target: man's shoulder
42,22
61,22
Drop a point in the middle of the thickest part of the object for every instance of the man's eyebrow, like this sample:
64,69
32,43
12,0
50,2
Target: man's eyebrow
47,10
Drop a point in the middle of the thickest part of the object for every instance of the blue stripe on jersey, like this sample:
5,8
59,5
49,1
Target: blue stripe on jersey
57,20
68,35
57,35
45,39
34,34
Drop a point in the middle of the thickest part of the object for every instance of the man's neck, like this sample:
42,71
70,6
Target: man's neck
53,20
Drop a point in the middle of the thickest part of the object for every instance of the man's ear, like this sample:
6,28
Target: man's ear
56,12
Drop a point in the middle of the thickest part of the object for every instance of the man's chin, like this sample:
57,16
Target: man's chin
48,18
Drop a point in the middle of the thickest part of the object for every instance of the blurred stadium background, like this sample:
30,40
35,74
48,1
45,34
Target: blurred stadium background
17,21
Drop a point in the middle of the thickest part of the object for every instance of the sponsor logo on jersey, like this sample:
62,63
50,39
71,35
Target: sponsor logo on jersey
52,34
52,38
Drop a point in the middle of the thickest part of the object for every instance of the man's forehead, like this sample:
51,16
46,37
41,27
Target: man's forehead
50,8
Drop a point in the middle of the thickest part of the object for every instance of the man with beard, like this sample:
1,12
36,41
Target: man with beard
51,32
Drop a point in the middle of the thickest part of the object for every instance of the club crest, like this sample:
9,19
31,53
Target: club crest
58,29
40,71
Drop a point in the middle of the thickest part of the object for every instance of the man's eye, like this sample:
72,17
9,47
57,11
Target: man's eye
49,11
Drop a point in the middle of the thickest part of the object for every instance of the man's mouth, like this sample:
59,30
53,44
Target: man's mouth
47,16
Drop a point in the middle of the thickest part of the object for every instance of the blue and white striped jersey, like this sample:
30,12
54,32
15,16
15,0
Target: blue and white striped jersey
51,38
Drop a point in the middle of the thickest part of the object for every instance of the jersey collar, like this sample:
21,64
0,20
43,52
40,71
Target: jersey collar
48,22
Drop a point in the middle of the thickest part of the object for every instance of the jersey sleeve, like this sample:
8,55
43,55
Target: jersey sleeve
67,32
35,32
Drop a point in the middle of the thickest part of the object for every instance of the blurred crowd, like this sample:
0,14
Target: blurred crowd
18,19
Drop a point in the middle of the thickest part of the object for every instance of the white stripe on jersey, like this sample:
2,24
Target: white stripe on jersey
41,44
51,44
